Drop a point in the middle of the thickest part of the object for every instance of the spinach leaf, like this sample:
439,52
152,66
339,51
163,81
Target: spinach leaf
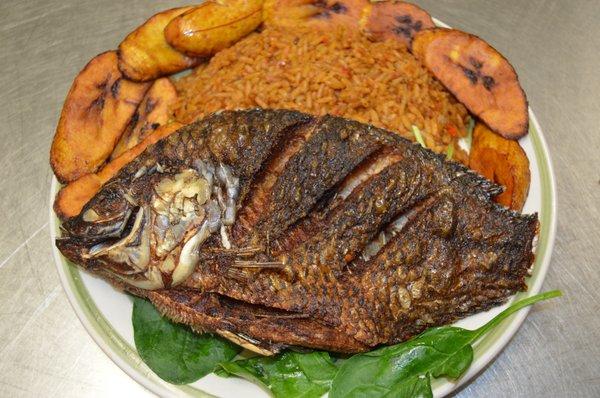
290,375
405,370
175,353
416,386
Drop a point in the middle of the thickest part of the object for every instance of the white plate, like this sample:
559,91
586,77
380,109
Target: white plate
106,313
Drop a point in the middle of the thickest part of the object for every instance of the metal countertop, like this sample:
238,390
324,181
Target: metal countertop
555,47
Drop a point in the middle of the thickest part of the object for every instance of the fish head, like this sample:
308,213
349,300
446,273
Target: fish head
146,231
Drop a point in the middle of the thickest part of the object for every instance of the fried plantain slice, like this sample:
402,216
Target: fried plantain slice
97,109
397,20
320,14
72,197
145,54
422,39
153,112
502,161
213,26
478,75
288,13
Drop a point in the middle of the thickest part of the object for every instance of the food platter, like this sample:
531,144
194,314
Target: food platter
106,313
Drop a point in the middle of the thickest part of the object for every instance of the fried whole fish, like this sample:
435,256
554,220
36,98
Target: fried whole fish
275,228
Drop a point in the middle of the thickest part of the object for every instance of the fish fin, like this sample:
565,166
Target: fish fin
254,324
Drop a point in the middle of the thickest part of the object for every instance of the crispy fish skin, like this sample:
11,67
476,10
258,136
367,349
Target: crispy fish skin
386,240
244,148
315,277
214,312
325,155
456,256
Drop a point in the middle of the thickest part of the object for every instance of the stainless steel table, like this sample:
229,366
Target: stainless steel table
553,44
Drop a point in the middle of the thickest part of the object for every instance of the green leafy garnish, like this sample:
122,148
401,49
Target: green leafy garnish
418,136
173,351
450,152
467,141
289,375
179,356
406,369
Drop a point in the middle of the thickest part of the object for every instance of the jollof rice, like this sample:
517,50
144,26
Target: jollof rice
337,72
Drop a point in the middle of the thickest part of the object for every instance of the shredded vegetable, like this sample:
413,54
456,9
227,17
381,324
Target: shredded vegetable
450,152
418,136
466,142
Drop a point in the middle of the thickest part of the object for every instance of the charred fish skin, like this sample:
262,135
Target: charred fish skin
245,139
454,257
318,158
335,149
306,274
276,228
313,280
241,140
181,192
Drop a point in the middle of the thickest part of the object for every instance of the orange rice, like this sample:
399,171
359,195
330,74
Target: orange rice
339,72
